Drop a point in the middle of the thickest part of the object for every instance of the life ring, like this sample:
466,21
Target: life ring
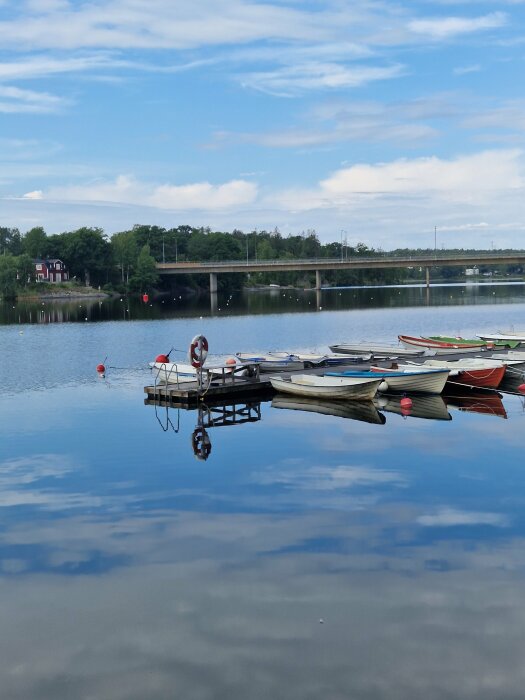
198,351
201,443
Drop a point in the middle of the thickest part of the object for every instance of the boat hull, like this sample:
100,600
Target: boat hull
269,363
345,388
440,348
423,381
487,376
375,350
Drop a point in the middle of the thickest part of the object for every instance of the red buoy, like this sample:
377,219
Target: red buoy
163,359
405,402
521,388
145,298
101,368
231,361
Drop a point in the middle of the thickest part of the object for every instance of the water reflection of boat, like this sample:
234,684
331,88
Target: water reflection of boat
355,410
431,406
487,404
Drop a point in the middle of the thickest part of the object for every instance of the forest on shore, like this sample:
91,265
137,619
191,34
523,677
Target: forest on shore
126,261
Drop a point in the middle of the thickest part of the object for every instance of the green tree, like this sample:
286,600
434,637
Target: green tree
25,269
34,243
10,241
145,275
7,277
125,252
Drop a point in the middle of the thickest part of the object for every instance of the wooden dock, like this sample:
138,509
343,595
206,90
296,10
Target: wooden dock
218,383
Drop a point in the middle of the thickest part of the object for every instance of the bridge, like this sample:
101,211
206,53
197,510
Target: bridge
356,262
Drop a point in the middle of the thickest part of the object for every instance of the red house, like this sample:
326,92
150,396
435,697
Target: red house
50,271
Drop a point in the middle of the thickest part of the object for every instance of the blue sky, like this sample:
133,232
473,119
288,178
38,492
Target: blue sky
379,119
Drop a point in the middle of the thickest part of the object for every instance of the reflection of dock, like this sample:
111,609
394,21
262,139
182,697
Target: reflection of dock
208,416
219,414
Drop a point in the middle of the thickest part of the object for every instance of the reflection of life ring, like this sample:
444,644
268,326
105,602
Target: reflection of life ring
198,351
201,443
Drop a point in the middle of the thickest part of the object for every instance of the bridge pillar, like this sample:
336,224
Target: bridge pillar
427,276
213,283
318,279
213,302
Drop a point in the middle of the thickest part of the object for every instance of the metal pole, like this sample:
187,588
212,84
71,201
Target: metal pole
246,249
163,256
176,252
435,239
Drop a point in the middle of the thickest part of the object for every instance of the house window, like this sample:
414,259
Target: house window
39,267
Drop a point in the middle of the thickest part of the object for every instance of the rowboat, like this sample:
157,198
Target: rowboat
471,371
431,407
517,355
438,346
180,373
457,340
354,410
510,338
427,381
272,362
327,387
376,350
173,372
310,359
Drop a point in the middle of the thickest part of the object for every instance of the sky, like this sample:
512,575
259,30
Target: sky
392,123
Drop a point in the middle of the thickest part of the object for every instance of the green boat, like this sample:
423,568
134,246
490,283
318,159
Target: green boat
475,341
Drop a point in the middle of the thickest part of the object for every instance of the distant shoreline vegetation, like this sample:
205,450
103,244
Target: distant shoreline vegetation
125,263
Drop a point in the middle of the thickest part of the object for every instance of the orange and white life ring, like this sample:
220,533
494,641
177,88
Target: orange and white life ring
198,351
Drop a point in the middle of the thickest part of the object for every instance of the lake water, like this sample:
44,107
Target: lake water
310,556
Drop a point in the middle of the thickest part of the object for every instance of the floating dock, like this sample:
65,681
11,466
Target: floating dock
218,383
227,383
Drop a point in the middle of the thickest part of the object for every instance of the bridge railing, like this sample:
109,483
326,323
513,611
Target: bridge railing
434,257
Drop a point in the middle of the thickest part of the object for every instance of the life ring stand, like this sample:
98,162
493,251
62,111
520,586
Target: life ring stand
198,351
201,443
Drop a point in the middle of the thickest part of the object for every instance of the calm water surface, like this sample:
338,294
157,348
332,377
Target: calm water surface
310,556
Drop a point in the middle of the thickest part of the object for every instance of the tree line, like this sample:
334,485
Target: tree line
125,262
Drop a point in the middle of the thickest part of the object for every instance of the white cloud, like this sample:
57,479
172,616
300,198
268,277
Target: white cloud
465,70
448,517
448,27
128,190
15,100
489,170
291,80
330,478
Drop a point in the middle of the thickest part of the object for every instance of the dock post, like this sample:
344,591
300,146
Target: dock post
213,283
318,279
427,276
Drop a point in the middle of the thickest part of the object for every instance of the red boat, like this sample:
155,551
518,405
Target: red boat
472,372
449,345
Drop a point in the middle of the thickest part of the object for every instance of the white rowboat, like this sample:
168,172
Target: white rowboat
327,387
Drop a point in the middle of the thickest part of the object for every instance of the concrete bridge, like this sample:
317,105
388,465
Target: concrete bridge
378,261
